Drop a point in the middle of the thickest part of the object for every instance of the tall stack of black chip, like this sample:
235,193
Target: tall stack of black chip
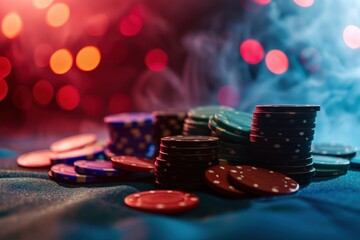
183,160
197,119
167,123
281,137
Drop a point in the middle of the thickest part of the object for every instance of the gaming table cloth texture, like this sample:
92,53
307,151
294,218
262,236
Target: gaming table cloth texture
33,207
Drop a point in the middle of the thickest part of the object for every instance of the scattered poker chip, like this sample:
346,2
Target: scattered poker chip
287,108
35,159
236,122
129,119
133,164
97,168
326,162
73,142
336,150
85,153
203,113
261,181
190,141
67,173
216,178
328,173
162,201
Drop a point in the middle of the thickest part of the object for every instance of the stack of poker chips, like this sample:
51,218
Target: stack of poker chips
281,137
329,167
233,129
183,160
130,134
167,123
197,119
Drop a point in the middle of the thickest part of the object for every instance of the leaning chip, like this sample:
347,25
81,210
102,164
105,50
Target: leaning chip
86,153
133,164
63,172
162,201
261,181
73,142
97,168
36,159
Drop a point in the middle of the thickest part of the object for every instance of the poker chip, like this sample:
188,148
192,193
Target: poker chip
187,157
162,201
35,159
336,150
190,141
97,168
203,113
236,122
326,162
129,119
256,138
133,164
285,115
216,178
85,153
63,172
223,134
73,142
283,133
287,108
185,164
329,173
193,151
262,181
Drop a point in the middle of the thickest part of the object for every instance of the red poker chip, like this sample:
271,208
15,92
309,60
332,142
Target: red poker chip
261,181
162,201
36,159
73,142
133,164
216,178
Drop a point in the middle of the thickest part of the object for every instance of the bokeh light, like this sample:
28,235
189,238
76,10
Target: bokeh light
120,103
97,25
277,61
11,25
351,36
304,3
68,97
88,58
43,92
262,2
228,96
92,106
58,14
156,59
5,67
41,4
252,51
61,61
42,54
22,98
3,89
311,59
130,25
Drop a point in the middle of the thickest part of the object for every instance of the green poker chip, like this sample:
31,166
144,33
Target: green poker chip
204,113
223,134
236,122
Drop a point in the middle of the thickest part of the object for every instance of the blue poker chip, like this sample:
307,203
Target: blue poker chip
86,153
124,135
66,173
327,162
130,119
100,168
336,150
139,150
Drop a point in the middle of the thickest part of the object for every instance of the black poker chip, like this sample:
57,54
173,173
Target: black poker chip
195,151
285,163
283,133
187,157
190,141
287,108
184,164
285,115
256,138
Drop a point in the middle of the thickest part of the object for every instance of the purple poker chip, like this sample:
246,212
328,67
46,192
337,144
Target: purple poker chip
98,168
86,153
129,119
66,173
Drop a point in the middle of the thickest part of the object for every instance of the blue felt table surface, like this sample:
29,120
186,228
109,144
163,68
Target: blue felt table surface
34,207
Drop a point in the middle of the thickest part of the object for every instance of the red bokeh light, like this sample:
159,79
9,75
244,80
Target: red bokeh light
97,25
43,92
5,67
68,97
42,54
228,96
22,98
3,89
92,105
130,25
277,61
120,103
156,59
252,51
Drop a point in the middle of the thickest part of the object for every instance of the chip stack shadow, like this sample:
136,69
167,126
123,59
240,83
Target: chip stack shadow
281,137
183,160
